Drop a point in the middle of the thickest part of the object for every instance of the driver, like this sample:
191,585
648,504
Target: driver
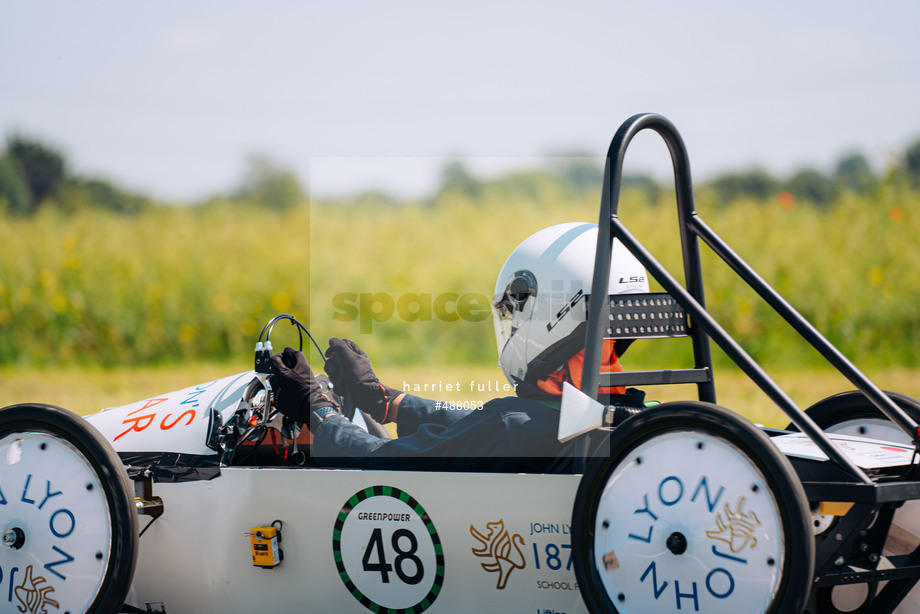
540,312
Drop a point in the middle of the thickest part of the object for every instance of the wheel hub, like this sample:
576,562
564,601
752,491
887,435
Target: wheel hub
676,543
14,538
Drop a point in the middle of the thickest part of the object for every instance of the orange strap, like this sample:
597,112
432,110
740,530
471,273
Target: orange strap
572,369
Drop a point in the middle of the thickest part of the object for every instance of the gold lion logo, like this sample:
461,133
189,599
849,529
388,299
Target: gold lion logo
501,549
736,528
33,598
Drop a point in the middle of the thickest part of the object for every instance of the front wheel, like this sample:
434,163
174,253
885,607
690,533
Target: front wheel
67,514
694,509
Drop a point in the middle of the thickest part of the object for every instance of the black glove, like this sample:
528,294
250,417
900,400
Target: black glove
350,369
297,393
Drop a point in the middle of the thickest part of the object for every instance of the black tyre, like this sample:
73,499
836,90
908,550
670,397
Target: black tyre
69,521
851,413
692,509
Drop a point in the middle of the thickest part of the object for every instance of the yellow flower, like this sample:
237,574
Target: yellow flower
280,301
46,278
876,275
58,303
221,302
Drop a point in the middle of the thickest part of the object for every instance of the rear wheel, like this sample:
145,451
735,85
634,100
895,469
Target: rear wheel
693,509
69,521
851,413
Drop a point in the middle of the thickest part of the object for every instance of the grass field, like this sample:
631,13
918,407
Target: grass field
181,294
87,390
182,285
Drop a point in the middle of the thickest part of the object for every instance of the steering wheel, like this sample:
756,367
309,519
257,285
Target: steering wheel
344,402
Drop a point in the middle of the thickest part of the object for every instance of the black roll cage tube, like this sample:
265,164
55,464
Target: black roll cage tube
702,325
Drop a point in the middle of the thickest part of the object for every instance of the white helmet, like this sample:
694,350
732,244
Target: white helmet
540,303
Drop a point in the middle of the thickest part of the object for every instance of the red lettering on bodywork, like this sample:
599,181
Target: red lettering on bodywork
141,422
191,417
137,426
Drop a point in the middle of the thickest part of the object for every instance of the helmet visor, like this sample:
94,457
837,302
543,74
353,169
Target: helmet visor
521,288
502,319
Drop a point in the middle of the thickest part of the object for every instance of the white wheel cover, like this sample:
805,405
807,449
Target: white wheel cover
52,495
701,487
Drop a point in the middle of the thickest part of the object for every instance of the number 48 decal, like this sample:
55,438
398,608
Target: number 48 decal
388,552
381,565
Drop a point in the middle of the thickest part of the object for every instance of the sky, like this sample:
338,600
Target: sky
172,98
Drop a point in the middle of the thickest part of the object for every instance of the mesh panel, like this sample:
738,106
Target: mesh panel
650,315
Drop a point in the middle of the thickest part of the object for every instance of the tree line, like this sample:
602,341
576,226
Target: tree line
581,174
34,174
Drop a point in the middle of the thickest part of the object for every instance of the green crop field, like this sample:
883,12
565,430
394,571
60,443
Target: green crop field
850,270
118,305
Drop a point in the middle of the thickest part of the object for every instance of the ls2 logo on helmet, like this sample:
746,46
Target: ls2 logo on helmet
567,308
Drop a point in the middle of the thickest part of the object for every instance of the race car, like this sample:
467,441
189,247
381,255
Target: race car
207,499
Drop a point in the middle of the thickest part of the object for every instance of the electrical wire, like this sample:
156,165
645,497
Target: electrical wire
255,447
230,456
301,329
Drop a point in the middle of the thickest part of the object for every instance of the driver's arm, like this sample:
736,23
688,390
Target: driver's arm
349,368
393,413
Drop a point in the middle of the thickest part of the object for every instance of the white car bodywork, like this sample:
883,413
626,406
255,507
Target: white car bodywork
383,541
502,539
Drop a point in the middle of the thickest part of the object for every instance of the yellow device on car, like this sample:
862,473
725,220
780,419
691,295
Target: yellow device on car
265,545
